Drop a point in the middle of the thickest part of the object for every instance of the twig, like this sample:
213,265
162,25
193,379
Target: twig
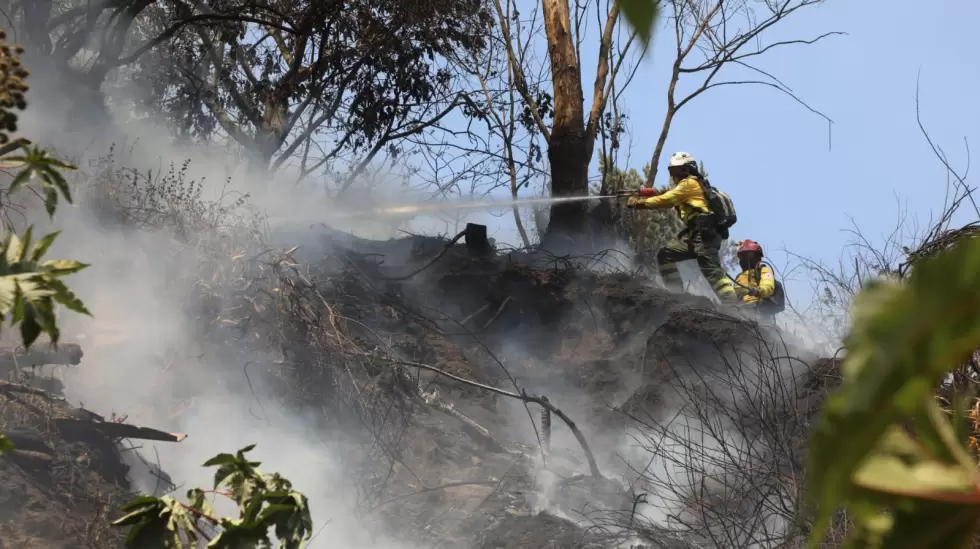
436,488
499,310
522,396
432,398
478,311
445,249
18,388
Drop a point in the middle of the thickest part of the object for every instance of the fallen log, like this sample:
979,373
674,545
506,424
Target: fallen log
15,359
66,353
78,428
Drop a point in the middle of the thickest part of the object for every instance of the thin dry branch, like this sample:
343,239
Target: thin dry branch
708,21
523,397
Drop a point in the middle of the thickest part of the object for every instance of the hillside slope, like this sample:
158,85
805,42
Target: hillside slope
672,423
656,383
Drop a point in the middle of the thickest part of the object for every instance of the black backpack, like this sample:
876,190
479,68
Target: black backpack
776,303
721,206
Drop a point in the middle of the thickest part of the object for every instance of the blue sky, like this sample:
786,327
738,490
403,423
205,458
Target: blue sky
772,155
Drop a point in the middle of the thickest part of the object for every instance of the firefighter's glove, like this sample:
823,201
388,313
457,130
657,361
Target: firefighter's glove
754,292
634,201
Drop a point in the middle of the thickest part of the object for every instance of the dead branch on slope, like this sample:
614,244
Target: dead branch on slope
720,463
522,396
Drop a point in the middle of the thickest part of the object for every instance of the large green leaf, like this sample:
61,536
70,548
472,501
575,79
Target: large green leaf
267,505
30,286
910,524
904,339
36,163
158,523
900,466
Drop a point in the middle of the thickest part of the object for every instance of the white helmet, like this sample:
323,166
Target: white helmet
682,159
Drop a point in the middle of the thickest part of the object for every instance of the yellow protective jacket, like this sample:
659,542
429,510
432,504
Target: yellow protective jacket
687,196
760,277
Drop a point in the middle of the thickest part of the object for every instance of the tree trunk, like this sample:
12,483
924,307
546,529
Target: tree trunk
36,16
259,163
568,151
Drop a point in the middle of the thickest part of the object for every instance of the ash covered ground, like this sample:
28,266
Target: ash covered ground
430,362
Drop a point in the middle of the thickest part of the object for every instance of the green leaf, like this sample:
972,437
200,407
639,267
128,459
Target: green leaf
289,513
219,459
45,317
53,177
13,249
900,466
50,201
21,179
642,16
912,524
62,267
25,244
8,293
66,297
197,499
43,245
236,535
30,329
158,523
904,339
17,312
937,435
5,444
240,475
38,163
136,509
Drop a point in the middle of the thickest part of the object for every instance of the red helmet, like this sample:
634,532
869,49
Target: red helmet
749,246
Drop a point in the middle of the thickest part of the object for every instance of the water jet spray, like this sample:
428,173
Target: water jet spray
491,204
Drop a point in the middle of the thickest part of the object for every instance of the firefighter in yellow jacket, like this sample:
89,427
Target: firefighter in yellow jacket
700,239
756,282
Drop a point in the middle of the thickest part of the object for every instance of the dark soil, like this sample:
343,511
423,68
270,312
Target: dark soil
601,347
59,488
598,346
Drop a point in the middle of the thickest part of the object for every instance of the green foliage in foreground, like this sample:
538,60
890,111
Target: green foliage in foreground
36,163
642,16
266,504
902,491
30,285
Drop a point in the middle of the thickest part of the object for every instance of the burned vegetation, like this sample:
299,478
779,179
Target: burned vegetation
499,399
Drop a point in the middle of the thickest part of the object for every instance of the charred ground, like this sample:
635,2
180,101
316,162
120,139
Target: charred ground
398,350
